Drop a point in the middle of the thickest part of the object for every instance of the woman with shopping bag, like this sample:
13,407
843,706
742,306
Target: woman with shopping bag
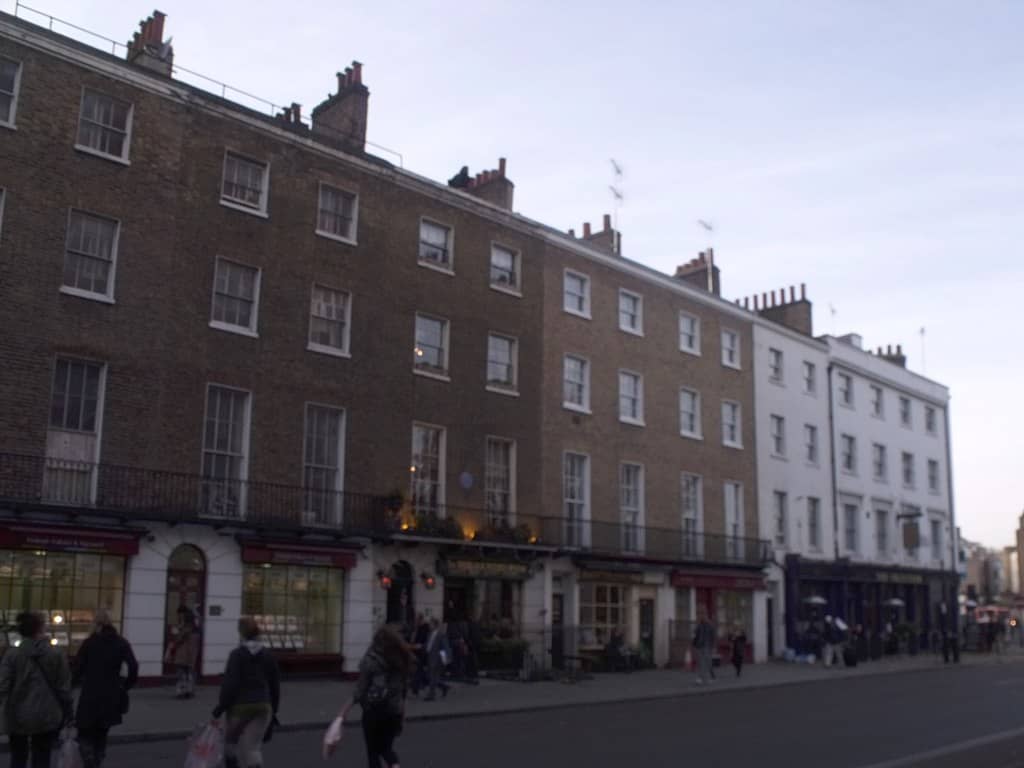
35,690
249,695
104,697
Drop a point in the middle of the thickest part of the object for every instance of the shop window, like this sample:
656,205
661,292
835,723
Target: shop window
298,608
602,610
66,588
732,610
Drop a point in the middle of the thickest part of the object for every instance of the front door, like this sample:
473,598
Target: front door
647,630
186,589
771,627
557,630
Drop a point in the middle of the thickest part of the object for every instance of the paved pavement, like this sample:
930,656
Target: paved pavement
939,718
155,714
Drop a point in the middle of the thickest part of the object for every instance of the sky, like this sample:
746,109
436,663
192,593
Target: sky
873,150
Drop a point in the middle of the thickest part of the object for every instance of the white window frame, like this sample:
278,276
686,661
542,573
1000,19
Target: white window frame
692,539
517,268
934,487
101,382
335,494
694,349
326,349
877,401
442,469
697,433
576,533
632,531
780,516
810,377
931,415
489,476
735,526
252,329
585,312
637,420
883,476
912,482
848,442
907,419
444,269
812,446
853,548
353,236
935,536
123,158
737,363
814,530
882,531
243,472
777,432
12,118
429,371
638,329
845,387
568,405
71,290
503,389
74,481
776,366
234,203
736,408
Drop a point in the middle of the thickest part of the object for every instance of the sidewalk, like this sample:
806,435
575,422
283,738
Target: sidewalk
156,715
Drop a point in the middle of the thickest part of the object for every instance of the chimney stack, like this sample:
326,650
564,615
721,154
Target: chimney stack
702,273
793,313
491,185
606,239
896,357
148,49
340,120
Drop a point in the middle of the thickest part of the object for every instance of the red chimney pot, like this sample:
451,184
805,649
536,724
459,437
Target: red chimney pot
586,229
501,167
792,293
357,72
803,291
607,222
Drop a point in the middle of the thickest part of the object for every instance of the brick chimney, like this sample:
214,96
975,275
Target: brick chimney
894,356
492,186
792,311
340,120
702,273
606,239
147,47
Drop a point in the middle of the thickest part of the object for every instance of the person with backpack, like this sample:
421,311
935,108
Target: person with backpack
380,691
104,697
35,690
250,694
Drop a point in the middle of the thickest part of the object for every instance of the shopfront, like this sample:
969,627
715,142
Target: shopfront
607,602
488,592
726,598
296,594
64,573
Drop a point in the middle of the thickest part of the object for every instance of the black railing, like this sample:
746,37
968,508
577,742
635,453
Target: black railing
148,494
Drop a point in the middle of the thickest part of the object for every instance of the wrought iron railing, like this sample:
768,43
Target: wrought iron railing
149,494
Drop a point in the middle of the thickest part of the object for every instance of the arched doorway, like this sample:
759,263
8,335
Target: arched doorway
186,588
400,597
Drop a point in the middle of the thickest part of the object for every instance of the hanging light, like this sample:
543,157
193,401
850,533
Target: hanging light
384,579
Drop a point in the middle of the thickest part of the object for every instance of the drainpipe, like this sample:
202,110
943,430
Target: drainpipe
832,462
953,609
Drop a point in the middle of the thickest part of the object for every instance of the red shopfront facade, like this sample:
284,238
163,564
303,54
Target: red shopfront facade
296,593
728,599
64,573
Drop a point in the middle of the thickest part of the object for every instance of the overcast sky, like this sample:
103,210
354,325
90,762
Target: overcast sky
873,150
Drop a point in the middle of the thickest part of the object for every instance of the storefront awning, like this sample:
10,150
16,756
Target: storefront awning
287,553
57,538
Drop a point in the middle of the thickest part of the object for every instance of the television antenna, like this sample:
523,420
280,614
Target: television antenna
618,198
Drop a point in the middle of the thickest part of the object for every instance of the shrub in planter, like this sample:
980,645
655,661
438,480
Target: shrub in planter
496,653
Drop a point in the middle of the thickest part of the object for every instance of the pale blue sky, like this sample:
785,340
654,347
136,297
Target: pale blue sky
870,149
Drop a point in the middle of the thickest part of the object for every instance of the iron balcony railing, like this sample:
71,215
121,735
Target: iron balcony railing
148,494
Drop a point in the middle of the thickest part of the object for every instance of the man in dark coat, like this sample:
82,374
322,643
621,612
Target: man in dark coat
104,697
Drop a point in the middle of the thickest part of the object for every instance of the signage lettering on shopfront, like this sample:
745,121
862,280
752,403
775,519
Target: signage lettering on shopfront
612,577
485,569
899,578
281,555
17,537
707,581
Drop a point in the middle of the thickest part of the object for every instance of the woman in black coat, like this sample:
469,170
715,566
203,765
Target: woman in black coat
104,696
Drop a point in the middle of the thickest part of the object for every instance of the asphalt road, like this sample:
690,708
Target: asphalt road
943,718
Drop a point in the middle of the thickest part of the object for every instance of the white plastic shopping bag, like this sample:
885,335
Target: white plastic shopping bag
332,737
206,747
67,754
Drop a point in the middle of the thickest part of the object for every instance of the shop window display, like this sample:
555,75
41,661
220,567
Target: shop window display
298,608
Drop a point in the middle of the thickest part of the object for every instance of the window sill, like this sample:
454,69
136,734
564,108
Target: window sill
693,352
237,329
258,212
737,446
777,382
849,472
102,155
812,464
881,480
436,267
78,292
335,238
779,457
811,392
332,351
632,331
575,408
633,422
502,391
431,375
510,291
573,312
692,435
934,492
907,426
878,416
9,126
734,366
847,406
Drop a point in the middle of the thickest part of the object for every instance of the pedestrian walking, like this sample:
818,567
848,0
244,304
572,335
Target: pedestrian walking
104,697
380,691
250,695
831,650
184,654
704,644
35,690
738,641
420,678
439,655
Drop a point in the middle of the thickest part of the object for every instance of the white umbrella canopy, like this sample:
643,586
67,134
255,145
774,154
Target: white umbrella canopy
843,626
894,602
815,600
